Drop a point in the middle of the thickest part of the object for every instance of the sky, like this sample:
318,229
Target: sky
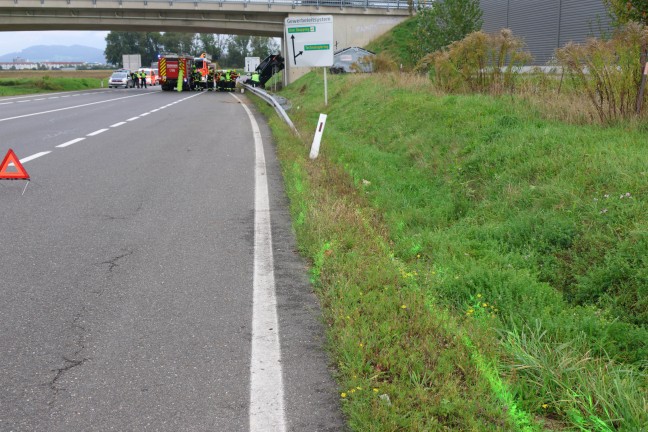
16,41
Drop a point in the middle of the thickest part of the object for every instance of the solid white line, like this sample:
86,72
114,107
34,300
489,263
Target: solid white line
34,156
73,107
118,124
97,132
266,382
74,141
132,118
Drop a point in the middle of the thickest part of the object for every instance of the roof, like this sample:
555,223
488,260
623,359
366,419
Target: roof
354,49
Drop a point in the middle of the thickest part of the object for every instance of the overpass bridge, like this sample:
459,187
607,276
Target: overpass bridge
355,22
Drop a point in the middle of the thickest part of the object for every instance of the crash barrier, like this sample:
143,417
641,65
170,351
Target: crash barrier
267,97
366,4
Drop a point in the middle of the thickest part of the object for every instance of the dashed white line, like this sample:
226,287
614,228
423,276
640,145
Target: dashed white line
39,99
266,382
73,107
74,141
118,124
145,114
97,132
6,103
34,156
23,101
132,118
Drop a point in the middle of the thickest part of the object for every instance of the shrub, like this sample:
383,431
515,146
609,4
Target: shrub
609,72
479,63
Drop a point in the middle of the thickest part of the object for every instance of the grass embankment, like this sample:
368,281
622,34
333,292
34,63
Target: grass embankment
14,83
479,268
398,44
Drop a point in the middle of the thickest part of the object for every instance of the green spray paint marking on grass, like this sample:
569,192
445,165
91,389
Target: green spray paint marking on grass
521,418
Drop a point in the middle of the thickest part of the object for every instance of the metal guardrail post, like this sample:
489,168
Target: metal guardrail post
272,101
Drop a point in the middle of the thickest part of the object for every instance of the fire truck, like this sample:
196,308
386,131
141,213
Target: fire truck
174,67
203,75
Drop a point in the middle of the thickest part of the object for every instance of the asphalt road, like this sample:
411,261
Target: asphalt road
126,268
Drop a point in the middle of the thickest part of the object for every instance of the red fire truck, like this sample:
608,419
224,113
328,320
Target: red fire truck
174,67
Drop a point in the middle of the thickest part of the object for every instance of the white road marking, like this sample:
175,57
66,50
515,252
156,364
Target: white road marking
145,114
74,141
118,124
34,156
23,101
73,107
39,99
266,382
132,118
6,103
97,132
55,97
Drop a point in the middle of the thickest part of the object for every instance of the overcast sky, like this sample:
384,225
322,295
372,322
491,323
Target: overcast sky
16,41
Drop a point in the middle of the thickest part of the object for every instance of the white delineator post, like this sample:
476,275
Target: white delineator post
318,136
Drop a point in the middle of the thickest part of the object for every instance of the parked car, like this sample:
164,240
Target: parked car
120,79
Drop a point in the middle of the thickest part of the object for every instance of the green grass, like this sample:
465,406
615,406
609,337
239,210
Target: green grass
398,44
44,84
510,240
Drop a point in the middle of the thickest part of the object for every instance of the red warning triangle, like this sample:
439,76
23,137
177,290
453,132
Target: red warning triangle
18,174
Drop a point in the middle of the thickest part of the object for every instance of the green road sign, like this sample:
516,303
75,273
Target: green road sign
301,29
320,47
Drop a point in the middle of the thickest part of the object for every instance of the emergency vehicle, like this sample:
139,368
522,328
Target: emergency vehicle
173,68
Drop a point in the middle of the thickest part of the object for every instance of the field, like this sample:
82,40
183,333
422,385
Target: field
481,266
32,81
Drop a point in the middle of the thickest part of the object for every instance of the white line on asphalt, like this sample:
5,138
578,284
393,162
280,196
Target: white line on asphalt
145,114
23,101
74,141
132,118
118,124
266,382
39,99
97,132
6,103
73,107
55,97
34,156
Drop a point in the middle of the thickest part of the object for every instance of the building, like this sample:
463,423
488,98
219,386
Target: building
352,59
22,64
547,24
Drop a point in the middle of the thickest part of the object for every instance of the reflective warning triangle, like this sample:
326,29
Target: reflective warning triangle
18,174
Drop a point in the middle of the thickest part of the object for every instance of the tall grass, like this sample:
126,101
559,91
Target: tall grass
476,215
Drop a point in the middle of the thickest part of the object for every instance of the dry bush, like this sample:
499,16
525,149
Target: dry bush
479,63
609,72
384,63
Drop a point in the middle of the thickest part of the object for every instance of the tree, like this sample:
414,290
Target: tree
147,45
213,44
624,11
237,50
181,43
445,21
262,47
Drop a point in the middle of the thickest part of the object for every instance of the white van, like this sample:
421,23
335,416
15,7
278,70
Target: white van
151,76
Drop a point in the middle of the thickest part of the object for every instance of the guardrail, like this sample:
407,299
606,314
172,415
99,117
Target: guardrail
366,4
267,98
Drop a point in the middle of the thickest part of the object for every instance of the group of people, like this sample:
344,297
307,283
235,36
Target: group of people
139,78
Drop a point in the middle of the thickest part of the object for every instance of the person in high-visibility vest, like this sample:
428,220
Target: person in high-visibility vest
142,76
255,79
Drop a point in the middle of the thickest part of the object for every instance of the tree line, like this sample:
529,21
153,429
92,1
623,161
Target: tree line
227,50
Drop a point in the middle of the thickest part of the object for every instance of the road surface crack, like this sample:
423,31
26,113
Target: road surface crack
112,262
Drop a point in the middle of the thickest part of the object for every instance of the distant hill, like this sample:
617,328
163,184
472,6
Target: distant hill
58,53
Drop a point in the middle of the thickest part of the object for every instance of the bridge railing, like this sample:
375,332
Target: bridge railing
367,4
